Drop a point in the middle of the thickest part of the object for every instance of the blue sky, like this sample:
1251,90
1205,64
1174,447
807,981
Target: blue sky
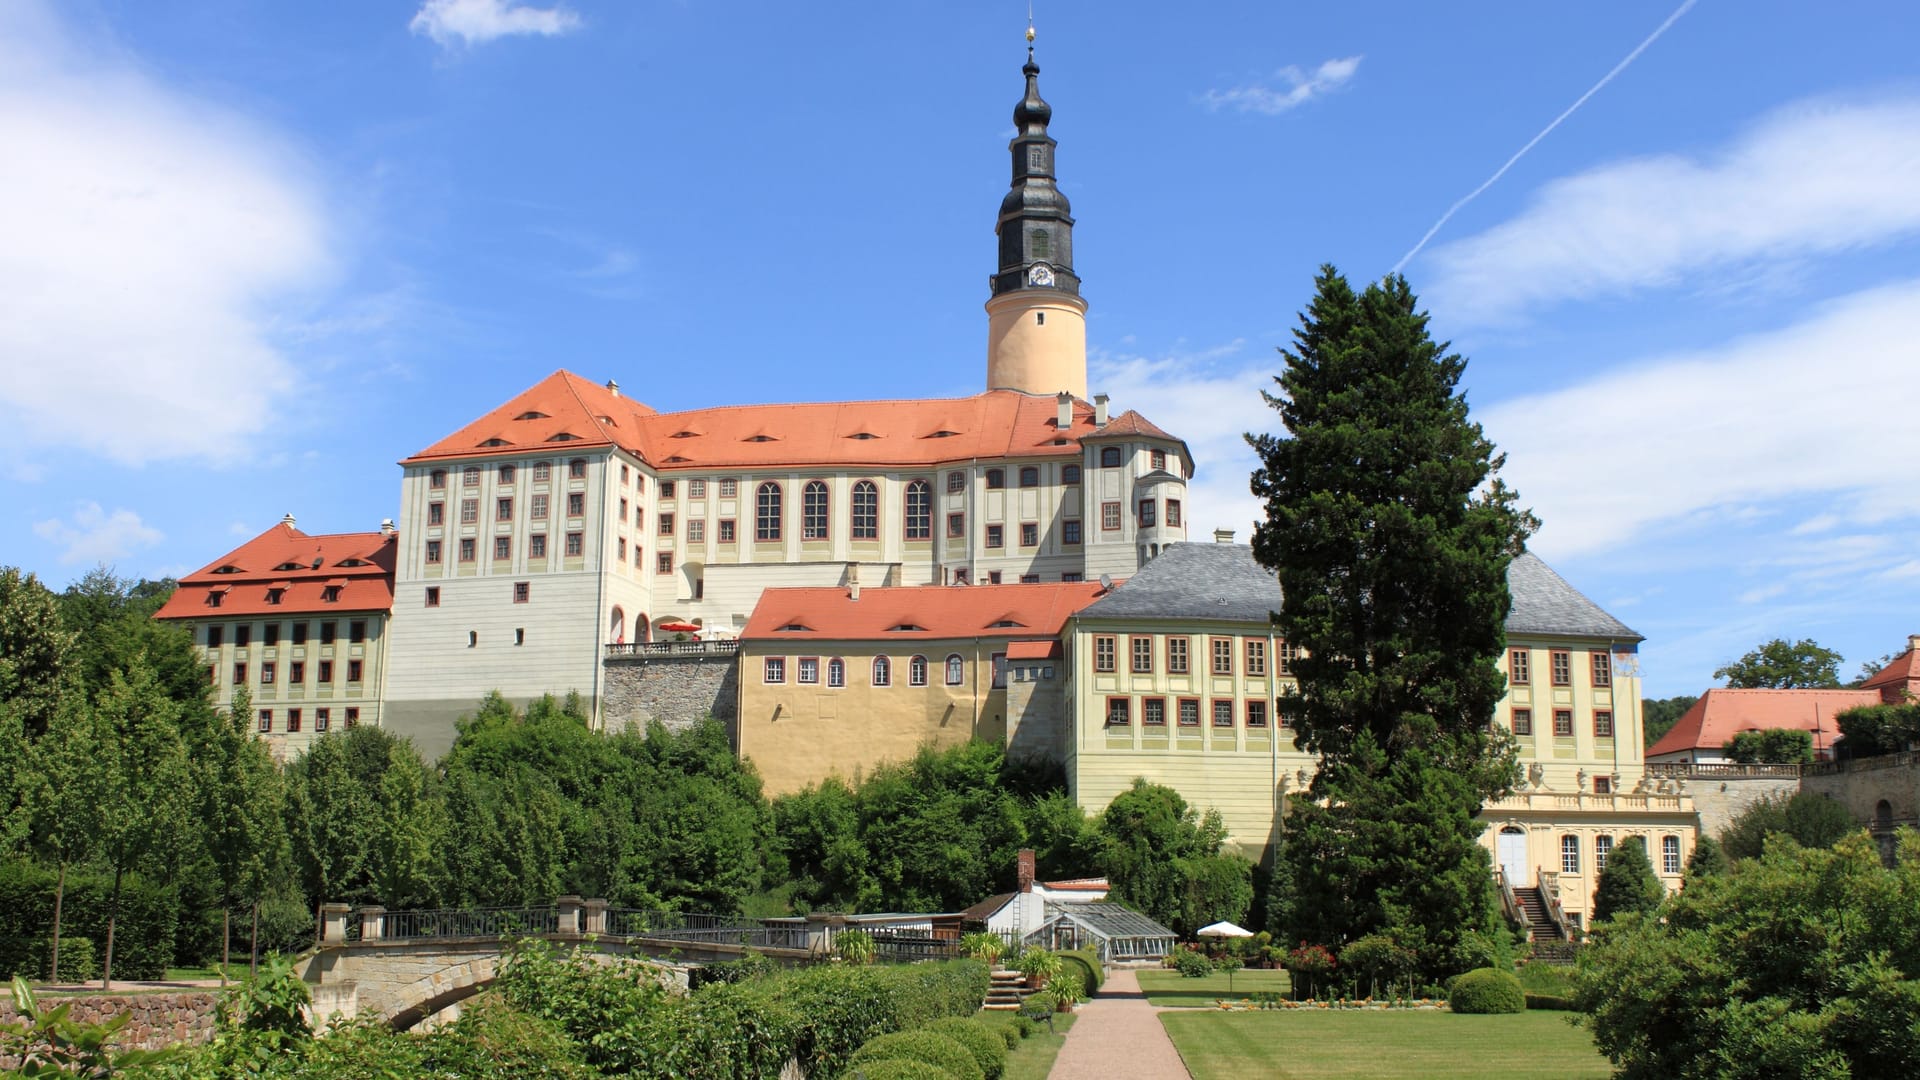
255,253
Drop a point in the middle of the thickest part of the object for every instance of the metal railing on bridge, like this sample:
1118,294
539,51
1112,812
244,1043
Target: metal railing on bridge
693,927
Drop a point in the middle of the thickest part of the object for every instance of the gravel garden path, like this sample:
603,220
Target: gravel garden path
1118,1037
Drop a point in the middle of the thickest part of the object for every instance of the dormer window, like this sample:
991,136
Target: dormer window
531,414
351,562
286,566
684,435
1006,624
795,628
907,628
678,460
943,433
330,594
496,441
565,436
760,438
609,421
863,435
227,569
275,593
214,598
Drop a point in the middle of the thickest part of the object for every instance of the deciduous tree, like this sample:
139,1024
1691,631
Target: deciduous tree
1658,715
1811,820
1781,664
145,785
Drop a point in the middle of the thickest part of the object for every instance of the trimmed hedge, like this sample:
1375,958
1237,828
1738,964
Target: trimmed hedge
1486,990
1551,1001
143,936
1086,964
924,1046
902,1069
989,1050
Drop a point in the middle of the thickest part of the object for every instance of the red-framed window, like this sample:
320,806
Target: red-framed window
1562,668
1109,457
1141,647
1189,710
773,669
1519,667
522,592
1603,723
1119,711
815,511
917,671
919,510
1222,656
1030,534
1563,723
996,536
1109,516
956,524
1223,712
433,551
1602,668
1256,714
1177,657
766,512
1146,513
1522,722
836,672
1173,513
864,520
956,670
1153,712
1103,652
1029,476
882,671
1070,532
807,671
1256,658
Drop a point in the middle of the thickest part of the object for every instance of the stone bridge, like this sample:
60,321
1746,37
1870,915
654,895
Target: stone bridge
405,966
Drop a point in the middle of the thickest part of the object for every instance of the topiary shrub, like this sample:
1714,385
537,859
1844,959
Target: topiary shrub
923,1046
988,1049
902,1069
1486,990
1083,964
1551,1001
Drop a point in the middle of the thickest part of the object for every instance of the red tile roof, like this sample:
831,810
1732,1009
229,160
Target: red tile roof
1033,650
1901,673
1722,713
564,412
303,566
918,613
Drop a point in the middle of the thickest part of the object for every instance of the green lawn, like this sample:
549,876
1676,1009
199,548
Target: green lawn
1351,1045
1033,1058
1164,987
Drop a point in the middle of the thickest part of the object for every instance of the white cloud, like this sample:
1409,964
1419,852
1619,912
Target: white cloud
1288,88
94,536
145,233
1819,410
1814,179
476,22
1210,397
1762,593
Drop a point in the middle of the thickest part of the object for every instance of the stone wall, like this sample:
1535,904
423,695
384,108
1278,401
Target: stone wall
1720,799
1867,782
675,690
159,1020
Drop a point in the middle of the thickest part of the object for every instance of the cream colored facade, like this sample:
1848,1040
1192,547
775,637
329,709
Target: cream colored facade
1037,342
307,674
1581,791
798,728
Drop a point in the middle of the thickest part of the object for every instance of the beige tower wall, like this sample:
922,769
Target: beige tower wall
1037,343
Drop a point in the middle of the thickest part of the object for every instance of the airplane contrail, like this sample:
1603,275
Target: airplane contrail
1544,132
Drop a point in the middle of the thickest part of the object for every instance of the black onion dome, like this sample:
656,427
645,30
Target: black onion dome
1035,198
1032,109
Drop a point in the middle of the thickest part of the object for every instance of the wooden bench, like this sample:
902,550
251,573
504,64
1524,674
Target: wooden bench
1038,1008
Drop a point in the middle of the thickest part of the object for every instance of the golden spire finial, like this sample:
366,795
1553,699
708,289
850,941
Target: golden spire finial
1029,24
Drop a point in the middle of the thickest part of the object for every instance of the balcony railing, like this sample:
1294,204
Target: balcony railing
1720,770
725,647
1582,800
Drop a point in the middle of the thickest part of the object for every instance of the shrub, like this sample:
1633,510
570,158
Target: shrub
1039,965
1550,1001
1023,1027
902,1069
1486,990
492,1038
79,962
924,1046
988,1049
1084,965
143,935
983,946
1192,964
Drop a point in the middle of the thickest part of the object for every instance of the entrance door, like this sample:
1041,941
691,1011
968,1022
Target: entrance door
1513,856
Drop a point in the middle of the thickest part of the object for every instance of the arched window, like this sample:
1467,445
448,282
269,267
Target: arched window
437,478
917,671
996,479
766,512
1602,847
1039,241
1569,854
956,669
1029,476
882,671
836,672
507,472
577,469
813,511
919,510
866,511
1109,457
1670,854
1070,475
470,476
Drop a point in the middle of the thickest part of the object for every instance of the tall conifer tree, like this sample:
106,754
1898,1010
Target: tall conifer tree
1391,534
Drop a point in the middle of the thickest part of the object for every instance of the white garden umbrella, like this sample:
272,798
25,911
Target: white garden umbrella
1223,929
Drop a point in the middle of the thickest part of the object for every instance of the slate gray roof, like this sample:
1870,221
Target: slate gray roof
1221,581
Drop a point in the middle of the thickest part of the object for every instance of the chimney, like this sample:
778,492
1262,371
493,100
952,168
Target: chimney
1024,870
386,526
613,387
287,521
1913,642
1223,536
853,581
1099,410
1064,419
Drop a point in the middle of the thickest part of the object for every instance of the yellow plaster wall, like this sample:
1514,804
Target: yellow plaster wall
1034,356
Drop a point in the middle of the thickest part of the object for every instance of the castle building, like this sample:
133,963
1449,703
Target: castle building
573,518
301,622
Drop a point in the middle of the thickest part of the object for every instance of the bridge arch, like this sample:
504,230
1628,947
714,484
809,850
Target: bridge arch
430,994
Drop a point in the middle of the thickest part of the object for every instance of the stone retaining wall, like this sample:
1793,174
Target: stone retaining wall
675,690
1720,799
159,1020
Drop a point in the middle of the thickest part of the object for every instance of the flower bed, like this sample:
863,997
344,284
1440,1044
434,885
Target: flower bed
1260,1002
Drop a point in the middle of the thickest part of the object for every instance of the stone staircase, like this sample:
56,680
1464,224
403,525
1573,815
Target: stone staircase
1007,990
1550,945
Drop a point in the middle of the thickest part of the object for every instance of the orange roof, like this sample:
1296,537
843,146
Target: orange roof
1721,713
299,567
1033,650
564,412
1902,672
917,612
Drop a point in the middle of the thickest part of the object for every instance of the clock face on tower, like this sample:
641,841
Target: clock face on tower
1040,274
